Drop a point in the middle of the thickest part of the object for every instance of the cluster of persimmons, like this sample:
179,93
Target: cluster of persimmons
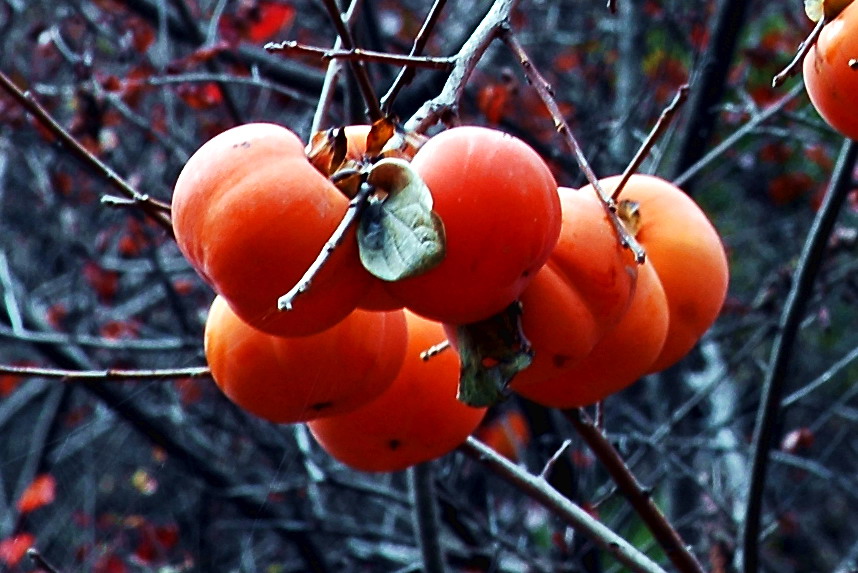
254,209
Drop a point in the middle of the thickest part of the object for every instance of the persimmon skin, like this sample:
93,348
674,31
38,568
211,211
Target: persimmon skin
688,255
621,357
498,202
582,291
294,379
830,82
417,419
251,214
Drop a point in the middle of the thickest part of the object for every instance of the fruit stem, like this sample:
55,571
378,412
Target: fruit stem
350,218
658,129
792,68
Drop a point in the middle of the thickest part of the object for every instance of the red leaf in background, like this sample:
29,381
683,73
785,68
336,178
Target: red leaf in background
256,21
38,494
13,549
110,564
788,187
8,384
190,390
200,96
103,281
492,101
272,17
56,314
119,329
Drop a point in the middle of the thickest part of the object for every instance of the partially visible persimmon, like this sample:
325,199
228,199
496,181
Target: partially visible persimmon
623,355
688,256
831,74
581,292
508,434
295,379
251,214
498,203
417,419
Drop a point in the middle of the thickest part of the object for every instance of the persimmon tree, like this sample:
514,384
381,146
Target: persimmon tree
119,453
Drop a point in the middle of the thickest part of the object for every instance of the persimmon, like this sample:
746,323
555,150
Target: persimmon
582,291
417,418
508,434
251,214
830,73
498,203
295,379
621,357
687,254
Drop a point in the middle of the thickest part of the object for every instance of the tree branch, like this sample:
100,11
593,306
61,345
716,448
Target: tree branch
782,349
537,488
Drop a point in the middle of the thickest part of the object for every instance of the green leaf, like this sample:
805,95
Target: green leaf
491,353
399,234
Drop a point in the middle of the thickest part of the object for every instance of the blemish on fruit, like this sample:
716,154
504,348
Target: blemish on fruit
394,444
319,406
560,360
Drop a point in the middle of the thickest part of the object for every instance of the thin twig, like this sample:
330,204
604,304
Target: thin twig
435,350
108,374
427,526
552,461
356,205
658,129
361,55
332,75
40,562
792,68
406,74
730,140
639,497
543,88
782,352
445,103
357,67
26,99
540,490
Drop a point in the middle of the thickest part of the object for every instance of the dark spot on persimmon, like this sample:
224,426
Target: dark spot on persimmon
560,360
319,406
394,444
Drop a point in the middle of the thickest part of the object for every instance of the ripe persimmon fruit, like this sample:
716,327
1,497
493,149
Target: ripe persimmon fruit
830,72
251,214
498,203
622,356
582,291
687,254
295,379
417,418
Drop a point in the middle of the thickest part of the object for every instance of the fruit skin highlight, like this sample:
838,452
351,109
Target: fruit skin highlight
498,202
831,83
288,380
251,214
417,419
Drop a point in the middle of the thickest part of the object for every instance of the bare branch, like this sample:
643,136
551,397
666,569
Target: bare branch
358,54
539,489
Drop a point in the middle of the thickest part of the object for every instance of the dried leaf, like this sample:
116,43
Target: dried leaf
399,235
816,9
327,150
491,352
379,134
